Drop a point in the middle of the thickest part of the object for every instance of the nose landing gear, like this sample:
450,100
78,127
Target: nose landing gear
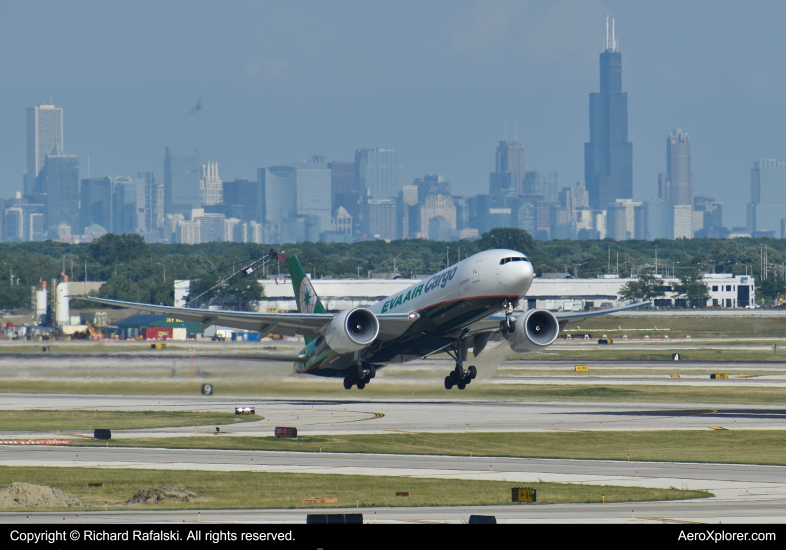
509,324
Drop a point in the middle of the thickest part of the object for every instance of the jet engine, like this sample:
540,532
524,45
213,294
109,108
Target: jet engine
535,330
352,330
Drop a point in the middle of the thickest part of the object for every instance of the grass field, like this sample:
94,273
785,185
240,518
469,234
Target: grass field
70,419
284,490
724,392
731,446
608,369
618,352
711,326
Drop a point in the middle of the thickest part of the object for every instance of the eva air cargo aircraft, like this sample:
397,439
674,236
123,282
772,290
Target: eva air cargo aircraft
459,308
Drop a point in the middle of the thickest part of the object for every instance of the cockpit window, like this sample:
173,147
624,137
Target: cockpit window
503,261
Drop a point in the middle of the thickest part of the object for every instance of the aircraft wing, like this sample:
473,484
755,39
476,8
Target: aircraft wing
288,324
491,323
391,325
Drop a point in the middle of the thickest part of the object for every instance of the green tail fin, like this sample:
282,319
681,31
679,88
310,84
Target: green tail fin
307,300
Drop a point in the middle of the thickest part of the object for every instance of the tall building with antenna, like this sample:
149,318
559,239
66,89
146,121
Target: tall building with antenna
608,156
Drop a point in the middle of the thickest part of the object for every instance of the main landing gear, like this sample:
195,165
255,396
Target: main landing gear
360,378
459,376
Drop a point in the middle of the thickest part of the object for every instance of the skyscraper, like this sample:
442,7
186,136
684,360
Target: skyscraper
243,193
150,203
210,187
768,196
312,196
676,185
608,156
96,205
181,180
123,205
376,173
511,159
278,197
44,137
59,181
342,181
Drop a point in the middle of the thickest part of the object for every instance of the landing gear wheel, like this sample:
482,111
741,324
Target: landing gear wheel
473,372
372,372
448,383
461,385
366,379
361,385
454,377
512,326
347,383
503,327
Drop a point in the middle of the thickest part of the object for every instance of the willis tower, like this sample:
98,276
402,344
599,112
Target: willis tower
608,157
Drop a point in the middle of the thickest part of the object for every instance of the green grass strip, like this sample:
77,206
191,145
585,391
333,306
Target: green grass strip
286,490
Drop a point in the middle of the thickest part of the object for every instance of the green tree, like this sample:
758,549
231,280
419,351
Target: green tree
646,287
772,288
506,237
693,288
112,249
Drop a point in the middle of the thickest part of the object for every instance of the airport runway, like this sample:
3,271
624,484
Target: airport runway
315,416
177,370
698,511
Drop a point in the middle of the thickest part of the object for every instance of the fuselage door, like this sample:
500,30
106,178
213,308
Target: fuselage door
476,272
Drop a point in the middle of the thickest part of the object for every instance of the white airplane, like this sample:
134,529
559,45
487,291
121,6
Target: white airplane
459,308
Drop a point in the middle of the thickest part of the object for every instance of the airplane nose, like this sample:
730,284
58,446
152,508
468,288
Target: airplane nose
527,276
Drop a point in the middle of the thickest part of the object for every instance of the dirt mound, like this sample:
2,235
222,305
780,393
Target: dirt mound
162,495
26,494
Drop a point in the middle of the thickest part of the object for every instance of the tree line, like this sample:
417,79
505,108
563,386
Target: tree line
137,271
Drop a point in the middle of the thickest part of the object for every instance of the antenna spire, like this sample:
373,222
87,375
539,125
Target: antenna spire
613,38
607,31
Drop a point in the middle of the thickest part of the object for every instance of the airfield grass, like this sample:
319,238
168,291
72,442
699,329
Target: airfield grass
222,490
523,370
618,352
726,391
85,419
727,446
709,326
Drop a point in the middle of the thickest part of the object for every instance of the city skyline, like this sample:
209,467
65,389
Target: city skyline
659,101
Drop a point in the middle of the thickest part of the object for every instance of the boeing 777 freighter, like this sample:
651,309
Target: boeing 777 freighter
459,308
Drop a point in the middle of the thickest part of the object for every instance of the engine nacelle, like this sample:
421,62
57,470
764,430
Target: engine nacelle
352,330
535,330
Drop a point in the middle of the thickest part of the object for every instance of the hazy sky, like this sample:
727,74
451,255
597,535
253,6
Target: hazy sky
435,80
